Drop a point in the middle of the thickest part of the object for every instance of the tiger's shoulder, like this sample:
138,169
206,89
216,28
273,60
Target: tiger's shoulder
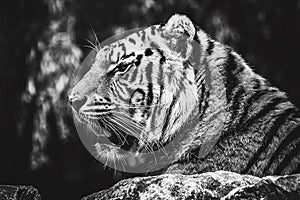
251,126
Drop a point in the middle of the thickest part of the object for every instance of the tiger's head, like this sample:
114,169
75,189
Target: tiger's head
140,91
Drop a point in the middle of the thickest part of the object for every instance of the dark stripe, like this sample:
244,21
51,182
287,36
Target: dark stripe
153,30
148,52
268,138
101,123
107,99
127,56
119,90
236,102
121,84
111,53
289,157
118,56
98,110
197,77
196,38
203,101
243,126
161,53
231,80
160,92
134,74
202,93
149,72
113,90
269,106
132,40
163,58
200,83
249,103
210,47
292,135
122,45
169,112
150,94
138,60
113,84
176,119
143,35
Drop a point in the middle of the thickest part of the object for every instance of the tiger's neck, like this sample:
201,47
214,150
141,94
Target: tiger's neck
232,102
222,79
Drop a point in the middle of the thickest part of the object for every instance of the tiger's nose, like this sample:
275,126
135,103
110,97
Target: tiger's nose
77,102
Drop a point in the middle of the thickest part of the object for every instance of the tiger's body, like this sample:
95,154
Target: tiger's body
173,80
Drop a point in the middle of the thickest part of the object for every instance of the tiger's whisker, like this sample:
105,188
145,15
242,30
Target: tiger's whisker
117,133
137,136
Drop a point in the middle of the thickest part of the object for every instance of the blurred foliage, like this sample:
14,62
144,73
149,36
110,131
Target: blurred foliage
43,42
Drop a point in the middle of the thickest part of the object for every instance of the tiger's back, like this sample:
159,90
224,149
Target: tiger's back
227,116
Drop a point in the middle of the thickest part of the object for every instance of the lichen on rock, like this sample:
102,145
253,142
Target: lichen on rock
211,185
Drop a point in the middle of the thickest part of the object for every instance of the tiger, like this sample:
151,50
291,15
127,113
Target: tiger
173,80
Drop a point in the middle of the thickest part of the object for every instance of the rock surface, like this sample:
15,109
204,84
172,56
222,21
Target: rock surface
211,185
9,192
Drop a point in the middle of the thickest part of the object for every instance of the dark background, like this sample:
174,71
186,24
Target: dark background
43,42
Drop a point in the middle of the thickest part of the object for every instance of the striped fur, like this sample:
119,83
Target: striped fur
173,79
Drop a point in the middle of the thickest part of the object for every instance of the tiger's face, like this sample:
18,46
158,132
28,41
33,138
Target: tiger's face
141,89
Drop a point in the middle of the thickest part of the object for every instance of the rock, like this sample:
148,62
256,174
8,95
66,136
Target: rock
10,192
211,185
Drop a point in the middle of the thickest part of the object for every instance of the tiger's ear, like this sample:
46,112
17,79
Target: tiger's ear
180,26
180,32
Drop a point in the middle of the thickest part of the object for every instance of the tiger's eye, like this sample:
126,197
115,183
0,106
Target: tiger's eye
122,67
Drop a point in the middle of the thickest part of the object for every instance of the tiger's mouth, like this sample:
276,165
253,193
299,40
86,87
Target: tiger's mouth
121,139
117,136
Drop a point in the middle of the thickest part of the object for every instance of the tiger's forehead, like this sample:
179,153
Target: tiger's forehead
134,42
